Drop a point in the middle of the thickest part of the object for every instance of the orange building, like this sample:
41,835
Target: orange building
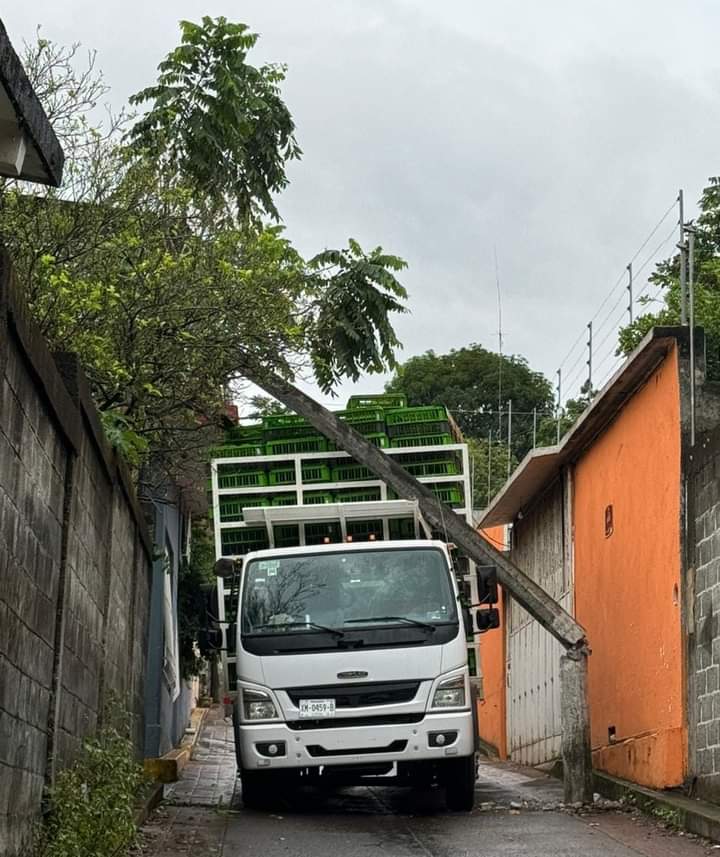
620,522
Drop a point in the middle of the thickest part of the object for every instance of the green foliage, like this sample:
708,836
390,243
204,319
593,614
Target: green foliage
217,120
466,380
92,803
666,276
265,406
351,332
194,579
489,462
139,269
122,438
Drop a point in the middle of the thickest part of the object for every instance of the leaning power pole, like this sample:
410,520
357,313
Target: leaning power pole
577,759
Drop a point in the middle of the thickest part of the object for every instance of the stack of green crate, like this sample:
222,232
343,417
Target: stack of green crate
384,419
422,426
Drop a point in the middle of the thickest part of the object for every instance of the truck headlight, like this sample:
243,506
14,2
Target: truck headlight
257,705
450,693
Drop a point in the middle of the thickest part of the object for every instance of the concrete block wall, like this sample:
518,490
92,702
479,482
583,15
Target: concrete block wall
75,572
705,632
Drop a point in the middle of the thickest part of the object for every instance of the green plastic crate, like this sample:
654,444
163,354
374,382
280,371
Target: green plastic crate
289,432
380,400
298,445
230,510
283,421
424,414
282,476
449,494
312,472
351,473
241,479
432,468
357,495
370,427
364,420
377,439
286,535
240,540
362,530
241,450
430,440
422,428
315,534
284,500
231,507
315,497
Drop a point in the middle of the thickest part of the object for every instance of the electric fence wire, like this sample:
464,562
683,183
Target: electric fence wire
621,280
600,359
611,319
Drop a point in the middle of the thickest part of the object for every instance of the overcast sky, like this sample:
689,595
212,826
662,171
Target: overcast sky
557,132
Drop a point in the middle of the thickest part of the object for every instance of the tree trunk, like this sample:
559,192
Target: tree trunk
441,517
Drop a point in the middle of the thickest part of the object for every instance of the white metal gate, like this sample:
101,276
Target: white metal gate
533,692
543,549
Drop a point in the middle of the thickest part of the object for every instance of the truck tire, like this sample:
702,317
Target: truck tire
460,784
256,791
236,737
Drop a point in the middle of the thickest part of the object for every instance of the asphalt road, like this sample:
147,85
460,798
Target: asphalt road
517,813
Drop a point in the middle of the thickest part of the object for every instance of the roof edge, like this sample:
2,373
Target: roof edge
31,115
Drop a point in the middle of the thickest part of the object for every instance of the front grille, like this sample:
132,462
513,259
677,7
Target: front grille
316,750
358,695
350,722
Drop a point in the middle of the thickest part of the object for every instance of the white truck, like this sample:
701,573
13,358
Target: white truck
352,664
348,654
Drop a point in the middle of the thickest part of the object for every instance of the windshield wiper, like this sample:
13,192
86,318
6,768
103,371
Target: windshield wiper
416,622
312,625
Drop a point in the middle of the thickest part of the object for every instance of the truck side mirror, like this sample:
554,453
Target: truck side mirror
487,586
487,619
231,638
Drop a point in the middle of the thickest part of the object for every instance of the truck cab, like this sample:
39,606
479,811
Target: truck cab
351,663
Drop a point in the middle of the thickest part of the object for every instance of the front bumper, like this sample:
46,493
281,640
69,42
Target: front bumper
355,744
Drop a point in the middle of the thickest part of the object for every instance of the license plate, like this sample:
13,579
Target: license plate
317,708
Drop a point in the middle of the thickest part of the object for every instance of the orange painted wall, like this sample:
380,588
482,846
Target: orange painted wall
627,585
491,709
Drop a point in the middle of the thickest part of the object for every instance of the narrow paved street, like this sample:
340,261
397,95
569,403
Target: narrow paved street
518,812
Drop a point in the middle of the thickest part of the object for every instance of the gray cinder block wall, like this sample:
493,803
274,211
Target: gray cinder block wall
75,571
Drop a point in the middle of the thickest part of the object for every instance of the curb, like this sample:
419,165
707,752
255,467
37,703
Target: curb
693,816
167,768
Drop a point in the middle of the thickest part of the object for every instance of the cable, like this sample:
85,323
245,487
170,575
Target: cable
621,278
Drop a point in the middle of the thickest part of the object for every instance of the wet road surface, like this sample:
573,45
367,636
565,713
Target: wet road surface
518,812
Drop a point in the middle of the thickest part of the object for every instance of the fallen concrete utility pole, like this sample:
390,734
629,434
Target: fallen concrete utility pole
576,730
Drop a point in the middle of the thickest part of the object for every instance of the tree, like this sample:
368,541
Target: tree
159,290
219,121
489,463
665,308
470,381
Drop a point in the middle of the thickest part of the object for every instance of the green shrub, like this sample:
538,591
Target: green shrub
92,804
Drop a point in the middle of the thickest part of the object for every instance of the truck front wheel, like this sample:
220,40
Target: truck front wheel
256,790
460,784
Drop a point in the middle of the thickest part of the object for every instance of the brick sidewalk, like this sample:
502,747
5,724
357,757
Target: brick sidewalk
210,777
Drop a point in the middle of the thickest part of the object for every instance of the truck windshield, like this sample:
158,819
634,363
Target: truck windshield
347,590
